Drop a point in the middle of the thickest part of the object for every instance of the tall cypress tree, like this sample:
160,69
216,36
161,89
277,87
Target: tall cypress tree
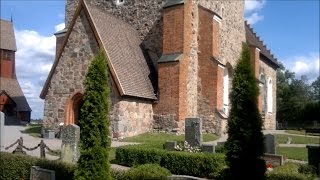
94,141
245,142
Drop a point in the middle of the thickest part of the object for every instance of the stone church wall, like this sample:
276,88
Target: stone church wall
270,72
232,35
128,116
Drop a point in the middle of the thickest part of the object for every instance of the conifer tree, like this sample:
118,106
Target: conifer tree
245,145
94,141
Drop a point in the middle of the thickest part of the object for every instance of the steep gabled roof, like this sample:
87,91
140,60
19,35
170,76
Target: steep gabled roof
254,40
121,44
7,38
12,88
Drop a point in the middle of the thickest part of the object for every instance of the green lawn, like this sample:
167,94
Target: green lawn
33,130
156,140
300,132
282,139
298,153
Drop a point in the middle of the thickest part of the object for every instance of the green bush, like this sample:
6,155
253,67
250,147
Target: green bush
94,123
15,166
244,146
183,163
147,171
291,171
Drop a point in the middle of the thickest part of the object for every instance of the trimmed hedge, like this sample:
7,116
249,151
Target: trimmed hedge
181,163
18,167
147,171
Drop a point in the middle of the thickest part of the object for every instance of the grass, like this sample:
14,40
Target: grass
156,140
300,132
297,153
282,139
33,130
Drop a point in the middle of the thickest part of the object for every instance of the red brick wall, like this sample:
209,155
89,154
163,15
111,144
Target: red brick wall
172,75
207,67
255,60
173,29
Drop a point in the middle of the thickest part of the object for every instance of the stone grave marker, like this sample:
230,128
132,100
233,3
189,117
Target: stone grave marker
1,131
170,145
70,143
275,160
38,173
269,144
208,148
193,131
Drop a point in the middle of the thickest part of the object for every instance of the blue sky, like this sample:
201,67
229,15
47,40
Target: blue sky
290,28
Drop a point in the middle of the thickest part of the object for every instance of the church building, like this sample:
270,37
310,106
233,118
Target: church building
167,60
12,100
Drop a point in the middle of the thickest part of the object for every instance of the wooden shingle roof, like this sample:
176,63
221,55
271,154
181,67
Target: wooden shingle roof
12,88
121,44
7,38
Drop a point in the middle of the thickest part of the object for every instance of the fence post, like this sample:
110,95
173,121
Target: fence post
42,149
19,148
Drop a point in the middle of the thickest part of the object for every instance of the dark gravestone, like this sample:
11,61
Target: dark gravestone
269,144
208,148
38,173
170,145
70,143
314,155
193,131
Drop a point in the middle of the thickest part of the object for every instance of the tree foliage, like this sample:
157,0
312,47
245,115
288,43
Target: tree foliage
295,96
244,146
94,141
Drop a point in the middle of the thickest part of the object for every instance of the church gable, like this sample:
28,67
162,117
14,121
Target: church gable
76,56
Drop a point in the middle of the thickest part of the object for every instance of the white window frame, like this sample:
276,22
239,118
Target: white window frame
269,96
226,91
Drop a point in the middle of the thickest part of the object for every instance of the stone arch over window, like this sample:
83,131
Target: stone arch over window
269,96
72,110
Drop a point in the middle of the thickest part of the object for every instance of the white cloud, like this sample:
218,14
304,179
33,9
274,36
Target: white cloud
59,27
305,65
252,8
254,18
253,5
34,58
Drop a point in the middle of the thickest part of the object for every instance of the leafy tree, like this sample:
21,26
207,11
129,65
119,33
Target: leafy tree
315,89
245,145
94,141
292,96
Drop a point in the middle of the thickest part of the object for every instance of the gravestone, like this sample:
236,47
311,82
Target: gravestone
314,156
70,143
38,173
269,144
193,131
1,131
208,148
275,160
170,145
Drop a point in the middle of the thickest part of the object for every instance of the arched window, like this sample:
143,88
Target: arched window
226,91
269,96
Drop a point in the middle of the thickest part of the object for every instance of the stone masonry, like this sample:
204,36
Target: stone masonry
128,116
